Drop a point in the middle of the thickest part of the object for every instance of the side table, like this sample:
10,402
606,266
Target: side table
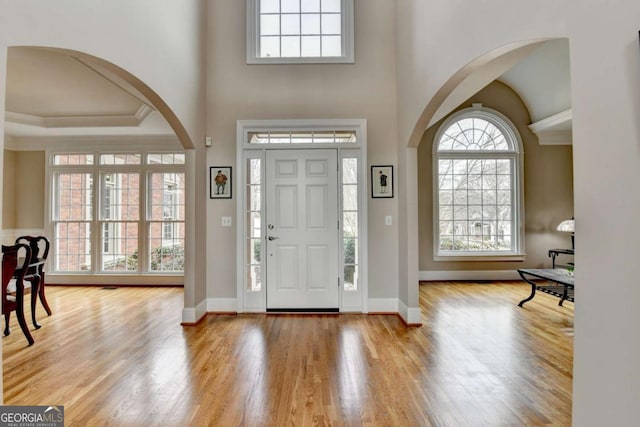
553,253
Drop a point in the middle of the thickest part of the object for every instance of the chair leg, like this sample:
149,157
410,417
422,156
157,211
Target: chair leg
7,330
34,301
21,320
43,298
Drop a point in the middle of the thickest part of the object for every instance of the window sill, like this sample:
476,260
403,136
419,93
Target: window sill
478,257
301,60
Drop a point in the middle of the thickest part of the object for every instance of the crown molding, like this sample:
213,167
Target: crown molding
557,119
80,121
143,112
113,79
559,137
553,130
92,142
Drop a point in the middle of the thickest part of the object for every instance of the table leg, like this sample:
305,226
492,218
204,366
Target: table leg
565,291
533,291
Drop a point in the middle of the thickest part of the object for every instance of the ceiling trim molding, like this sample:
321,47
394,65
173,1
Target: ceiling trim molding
15,144
554,120
115,81
553,130
24,119
143,112
559,137
80,121
93,143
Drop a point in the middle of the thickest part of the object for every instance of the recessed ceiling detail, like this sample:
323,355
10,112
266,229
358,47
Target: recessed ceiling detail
51,89
70,121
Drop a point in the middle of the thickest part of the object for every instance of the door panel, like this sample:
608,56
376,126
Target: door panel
302,228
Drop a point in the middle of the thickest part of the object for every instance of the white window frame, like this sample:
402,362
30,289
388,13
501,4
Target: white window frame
253,39
96,170
169,198
255,301
510,132
107,192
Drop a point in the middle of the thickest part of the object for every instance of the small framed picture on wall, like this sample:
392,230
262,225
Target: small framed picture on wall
220,182
382,181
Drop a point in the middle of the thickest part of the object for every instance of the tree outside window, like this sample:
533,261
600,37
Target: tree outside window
477,168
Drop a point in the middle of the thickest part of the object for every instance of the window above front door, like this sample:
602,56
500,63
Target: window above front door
299,31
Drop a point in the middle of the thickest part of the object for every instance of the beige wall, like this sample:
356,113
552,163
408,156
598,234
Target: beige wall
30,177
548,189
9,190
23,190
364,90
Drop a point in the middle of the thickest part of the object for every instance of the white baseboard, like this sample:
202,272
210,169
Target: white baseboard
188,315
469,275
383,305
192,315
410,315
222,305
375,305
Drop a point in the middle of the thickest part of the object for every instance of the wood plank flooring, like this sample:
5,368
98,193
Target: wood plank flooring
120,358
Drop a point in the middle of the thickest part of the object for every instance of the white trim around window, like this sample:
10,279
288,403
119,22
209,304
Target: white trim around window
479,235
143,170
316,32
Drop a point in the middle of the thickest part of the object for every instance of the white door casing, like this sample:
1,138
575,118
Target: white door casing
251,206
302,229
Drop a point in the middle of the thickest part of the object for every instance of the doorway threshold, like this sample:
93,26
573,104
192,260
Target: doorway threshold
303,310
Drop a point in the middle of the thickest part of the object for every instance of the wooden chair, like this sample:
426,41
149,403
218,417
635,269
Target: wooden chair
39,251
15,263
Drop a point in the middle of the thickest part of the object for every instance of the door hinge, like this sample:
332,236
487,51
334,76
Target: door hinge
338,281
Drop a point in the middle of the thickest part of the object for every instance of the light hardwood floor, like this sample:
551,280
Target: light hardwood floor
120,358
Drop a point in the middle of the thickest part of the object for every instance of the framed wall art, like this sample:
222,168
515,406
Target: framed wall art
220,182
382,181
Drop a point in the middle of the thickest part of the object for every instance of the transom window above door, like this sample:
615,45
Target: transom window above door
302,137
299,31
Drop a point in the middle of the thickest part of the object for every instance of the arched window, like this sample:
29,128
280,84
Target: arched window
477,186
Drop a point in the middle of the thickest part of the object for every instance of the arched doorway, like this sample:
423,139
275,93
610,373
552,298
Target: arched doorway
68,101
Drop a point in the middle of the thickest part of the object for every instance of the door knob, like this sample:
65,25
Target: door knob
270,237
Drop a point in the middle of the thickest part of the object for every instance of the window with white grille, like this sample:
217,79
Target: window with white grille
477,170
109,208
299,31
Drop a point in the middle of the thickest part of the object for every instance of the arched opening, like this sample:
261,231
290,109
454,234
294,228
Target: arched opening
66,101
514,80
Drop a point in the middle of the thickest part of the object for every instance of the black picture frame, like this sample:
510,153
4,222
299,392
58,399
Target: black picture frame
220,188
382,181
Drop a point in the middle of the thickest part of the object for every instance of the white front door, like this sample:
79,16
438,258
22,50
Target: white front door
302,229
